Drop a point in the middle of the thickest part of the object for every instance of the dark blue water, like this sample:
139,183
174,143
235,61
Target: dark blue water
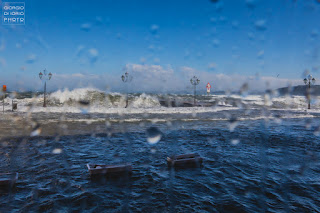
256,168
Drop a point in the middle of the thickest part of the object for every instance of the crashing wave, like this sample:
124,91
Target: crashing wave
94,100
95,97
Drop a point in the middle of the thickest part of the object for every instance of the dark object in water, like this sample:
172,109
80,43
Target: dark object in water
8,179
96,169
186,160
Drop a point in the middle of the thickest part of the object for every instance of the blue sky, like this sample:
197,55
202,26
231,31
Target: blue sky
98,40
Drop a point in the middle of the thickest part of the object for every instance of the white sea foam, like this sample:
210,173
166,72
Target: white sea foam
103,102
74,95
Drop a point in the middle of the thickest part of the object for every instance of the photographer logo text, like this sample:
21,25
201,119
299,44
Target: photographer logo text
13,13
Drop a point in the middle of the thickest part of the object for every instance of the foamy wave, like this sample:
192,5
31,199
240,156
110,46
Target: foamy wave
94,100
145,101
74,95
97,98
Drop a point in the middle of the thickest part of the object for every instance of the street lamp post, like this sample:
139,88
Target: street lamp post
46,77
194,81
126,78
308,81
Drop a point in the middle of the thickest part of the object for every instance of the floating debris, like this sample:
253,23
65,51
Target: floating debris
185,160
96,169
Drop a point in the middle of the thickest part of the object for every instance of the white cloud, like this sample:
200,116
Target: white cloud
156,78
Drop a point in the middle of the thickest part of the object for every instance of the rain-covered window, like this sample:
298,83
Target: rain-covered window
159,106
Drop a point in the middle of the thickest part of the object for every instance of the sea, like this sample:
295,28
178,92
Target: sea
260,152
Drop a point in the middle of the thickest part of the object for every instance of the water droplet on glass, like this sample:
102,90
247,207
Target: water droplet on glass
314,33
119,36
212,66
153,150
244,89
3,62
317,131
267,100
305,73
235,25
153,135
235,141
89,122
108,124
84,106
251,4
261,25
31,59
169,123
233,122
99,20
143,60
194,114
86,27
57,151
213,20
36,130
308,124
215,42
154,29
251,36
260,54
277,118
93,55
